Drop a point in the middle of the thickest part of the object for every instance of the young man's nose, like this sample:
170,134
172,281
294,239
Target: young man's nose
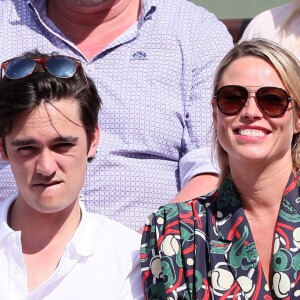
46,163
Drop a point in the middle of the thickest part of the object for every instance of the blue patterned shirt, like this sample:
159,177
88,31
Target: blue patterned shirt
155,81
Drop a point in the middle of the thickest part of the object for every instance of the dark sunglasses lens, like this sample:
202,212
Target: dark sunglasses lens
19,67
61,66
273,101
231,99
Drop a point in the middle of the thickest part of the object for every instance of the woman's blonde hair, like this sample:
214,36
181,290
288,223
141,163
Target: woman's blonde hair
288,69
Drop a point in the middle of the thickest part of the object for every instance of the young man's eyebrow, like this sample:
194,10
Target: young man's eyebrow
22,142
66,139
60,139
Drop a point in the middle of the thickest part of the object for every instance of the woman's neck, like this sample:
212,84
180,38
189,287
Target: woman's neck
261,190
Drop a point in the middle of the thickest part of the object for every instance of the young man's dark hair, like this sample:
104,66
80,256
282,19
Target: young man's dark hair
31,79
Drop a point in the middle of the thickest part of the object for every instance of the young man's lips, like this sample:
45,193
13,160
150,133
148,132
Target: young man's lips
46,184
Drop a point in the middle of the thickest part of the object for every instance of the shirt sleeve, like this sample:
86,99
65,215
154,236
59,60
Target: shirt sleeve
196,162
263,25
202,59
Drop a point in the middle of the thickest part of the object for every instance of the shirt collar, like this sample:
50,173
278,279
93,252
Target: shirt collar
5,230
83,241
231,212
148,8
38,4
147,11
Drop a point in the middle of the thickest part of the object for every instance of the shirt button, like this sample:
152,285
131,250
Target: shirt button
17,271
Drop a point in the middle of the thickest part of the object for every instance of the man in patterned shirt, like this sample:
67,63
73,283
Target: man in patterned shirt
153,61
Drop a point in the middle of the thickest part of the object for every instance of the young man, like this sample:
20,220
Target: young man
154,62
50,247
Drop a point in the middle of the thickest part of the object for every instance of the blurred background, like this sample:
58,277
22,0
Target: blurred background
238,9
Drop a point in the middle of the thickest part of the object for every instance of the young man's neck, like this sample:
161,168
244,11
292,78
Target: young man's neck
38,230
44,238
92,28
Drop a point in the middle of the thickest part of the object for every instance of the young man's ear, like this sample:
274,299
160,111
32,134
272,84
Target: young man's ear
3,151
94,143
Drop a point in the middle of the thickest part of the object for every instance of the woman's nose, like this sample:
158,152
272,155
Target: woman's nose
251,109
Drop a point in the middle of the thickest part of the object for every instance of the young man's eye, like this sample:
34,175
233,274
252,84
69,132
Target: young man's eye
26,149
64,146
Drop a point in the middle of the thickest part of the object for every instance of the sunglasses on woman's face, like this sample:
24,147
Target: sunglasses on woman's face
58,66
272,101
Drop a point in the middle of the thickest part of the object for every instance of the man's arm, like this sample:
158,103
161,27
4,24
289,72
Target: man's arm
197,186
198,165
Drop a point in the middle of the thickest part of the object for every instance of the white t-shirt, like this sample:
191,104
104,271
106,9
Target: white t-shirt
268,23
101,261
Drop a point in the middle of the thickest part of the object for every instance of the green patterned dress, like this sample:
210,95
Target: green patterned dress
204,249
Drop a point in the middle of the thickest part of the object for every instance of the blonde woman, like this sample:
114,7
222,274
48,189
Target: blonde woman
241,241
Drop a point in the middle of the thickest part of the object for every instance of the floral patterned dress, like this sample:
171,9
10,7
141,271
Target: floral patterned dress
204,249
